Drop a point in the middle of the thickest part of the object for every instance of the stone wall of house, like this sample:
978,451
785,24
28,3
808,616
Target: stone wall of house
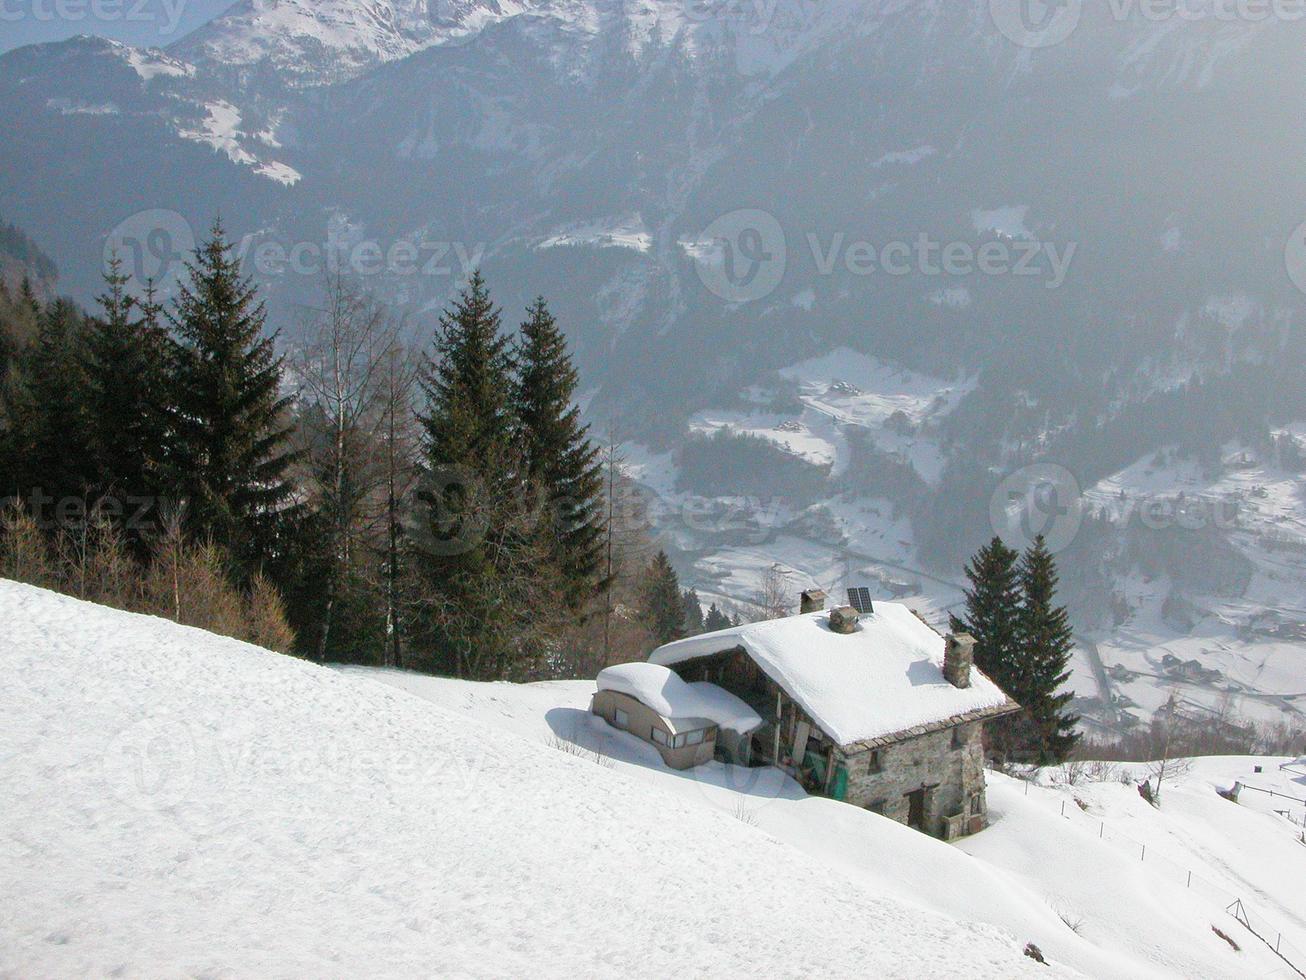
951,770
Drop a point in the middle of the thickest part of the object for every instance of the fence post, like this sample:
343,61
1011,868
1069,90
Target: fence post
1063,808
1101,829
1190,880
1143,856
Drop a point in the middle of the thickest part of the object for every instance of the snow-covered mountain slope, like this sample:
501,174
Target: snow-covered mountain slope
314,43
1060,865
176,803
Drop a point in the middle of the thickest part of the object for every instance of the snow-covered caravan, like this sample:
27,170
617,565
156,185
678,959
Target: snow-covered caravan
688,724
877,709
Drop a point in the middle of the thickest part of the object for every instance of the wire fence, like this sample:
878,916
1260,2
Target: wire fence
1158,863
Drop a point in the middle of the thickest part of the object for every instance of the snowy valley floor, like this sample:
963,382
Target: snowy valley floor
179,804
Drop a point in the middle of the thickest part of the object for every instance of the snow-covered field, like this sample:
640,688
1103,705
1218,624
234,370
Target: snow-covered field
182,804
1254,642
1065,875
178,804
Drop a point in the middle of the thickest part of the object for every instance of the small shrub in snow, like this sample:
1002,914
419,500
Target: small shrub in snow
580,751
1070,773
1075,923
1227,938
1034,953
1101,771
745,815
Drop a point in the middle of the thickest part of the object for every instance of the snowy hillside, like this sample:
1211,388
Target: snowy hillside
182,804
1060,864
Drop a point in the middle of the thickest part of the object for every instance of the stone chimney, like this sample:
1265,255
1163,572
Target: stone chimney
843,620
813,600
958,656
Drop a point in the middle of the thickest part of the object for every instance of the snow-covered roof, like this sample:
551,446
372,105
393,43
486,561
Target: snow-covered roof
663,691
882,680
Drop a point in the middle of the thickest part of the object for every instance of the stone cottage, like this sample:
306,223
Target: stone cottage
875,709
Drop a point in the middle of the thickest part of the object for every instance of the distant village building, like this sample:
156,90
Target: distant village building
874,709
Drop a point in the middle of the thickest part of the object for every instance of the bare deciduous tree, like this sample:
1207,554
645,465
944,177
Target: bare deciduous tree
343,376
399,440
774,600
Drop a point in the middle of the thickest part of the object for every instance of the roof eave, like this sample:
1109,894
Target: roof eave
967,717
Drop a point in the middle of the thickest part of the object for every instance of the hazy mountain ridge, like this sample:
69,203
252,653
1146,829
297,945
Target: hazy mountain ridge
583,149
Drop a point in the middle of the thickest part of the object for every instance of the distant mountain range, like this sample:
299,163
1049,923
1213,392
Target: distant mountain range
1088,247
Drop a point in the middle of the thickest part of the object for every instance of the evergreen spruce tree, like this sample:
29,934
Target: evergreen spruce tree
126,381
562,466
992,609
1045,639
693,613
475,553
662,606
715,620
50,415
228,453
992,602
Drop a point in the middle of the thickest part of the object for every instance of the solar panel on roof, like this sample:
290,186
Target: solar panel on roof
859,597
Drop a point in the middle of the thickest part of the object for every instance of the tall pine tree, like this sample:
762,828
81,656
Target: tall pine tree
992,606
663,607
50,417
693,613
229,452
481,579
562,467
126,395
715,620
1045,639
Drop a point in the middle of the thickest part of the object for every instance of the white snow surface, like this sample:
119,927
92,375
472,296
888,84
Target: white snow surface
883,679
181,804
662,690
1057,855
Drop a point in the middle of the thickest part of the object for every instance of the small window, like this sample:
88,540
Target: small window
877,807
975,805
620,718
694,738
660,737
876,764
959,737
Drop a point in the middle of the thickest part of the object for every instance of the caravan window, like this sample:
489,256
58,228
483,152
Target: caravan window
660,737
695,738
621,719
